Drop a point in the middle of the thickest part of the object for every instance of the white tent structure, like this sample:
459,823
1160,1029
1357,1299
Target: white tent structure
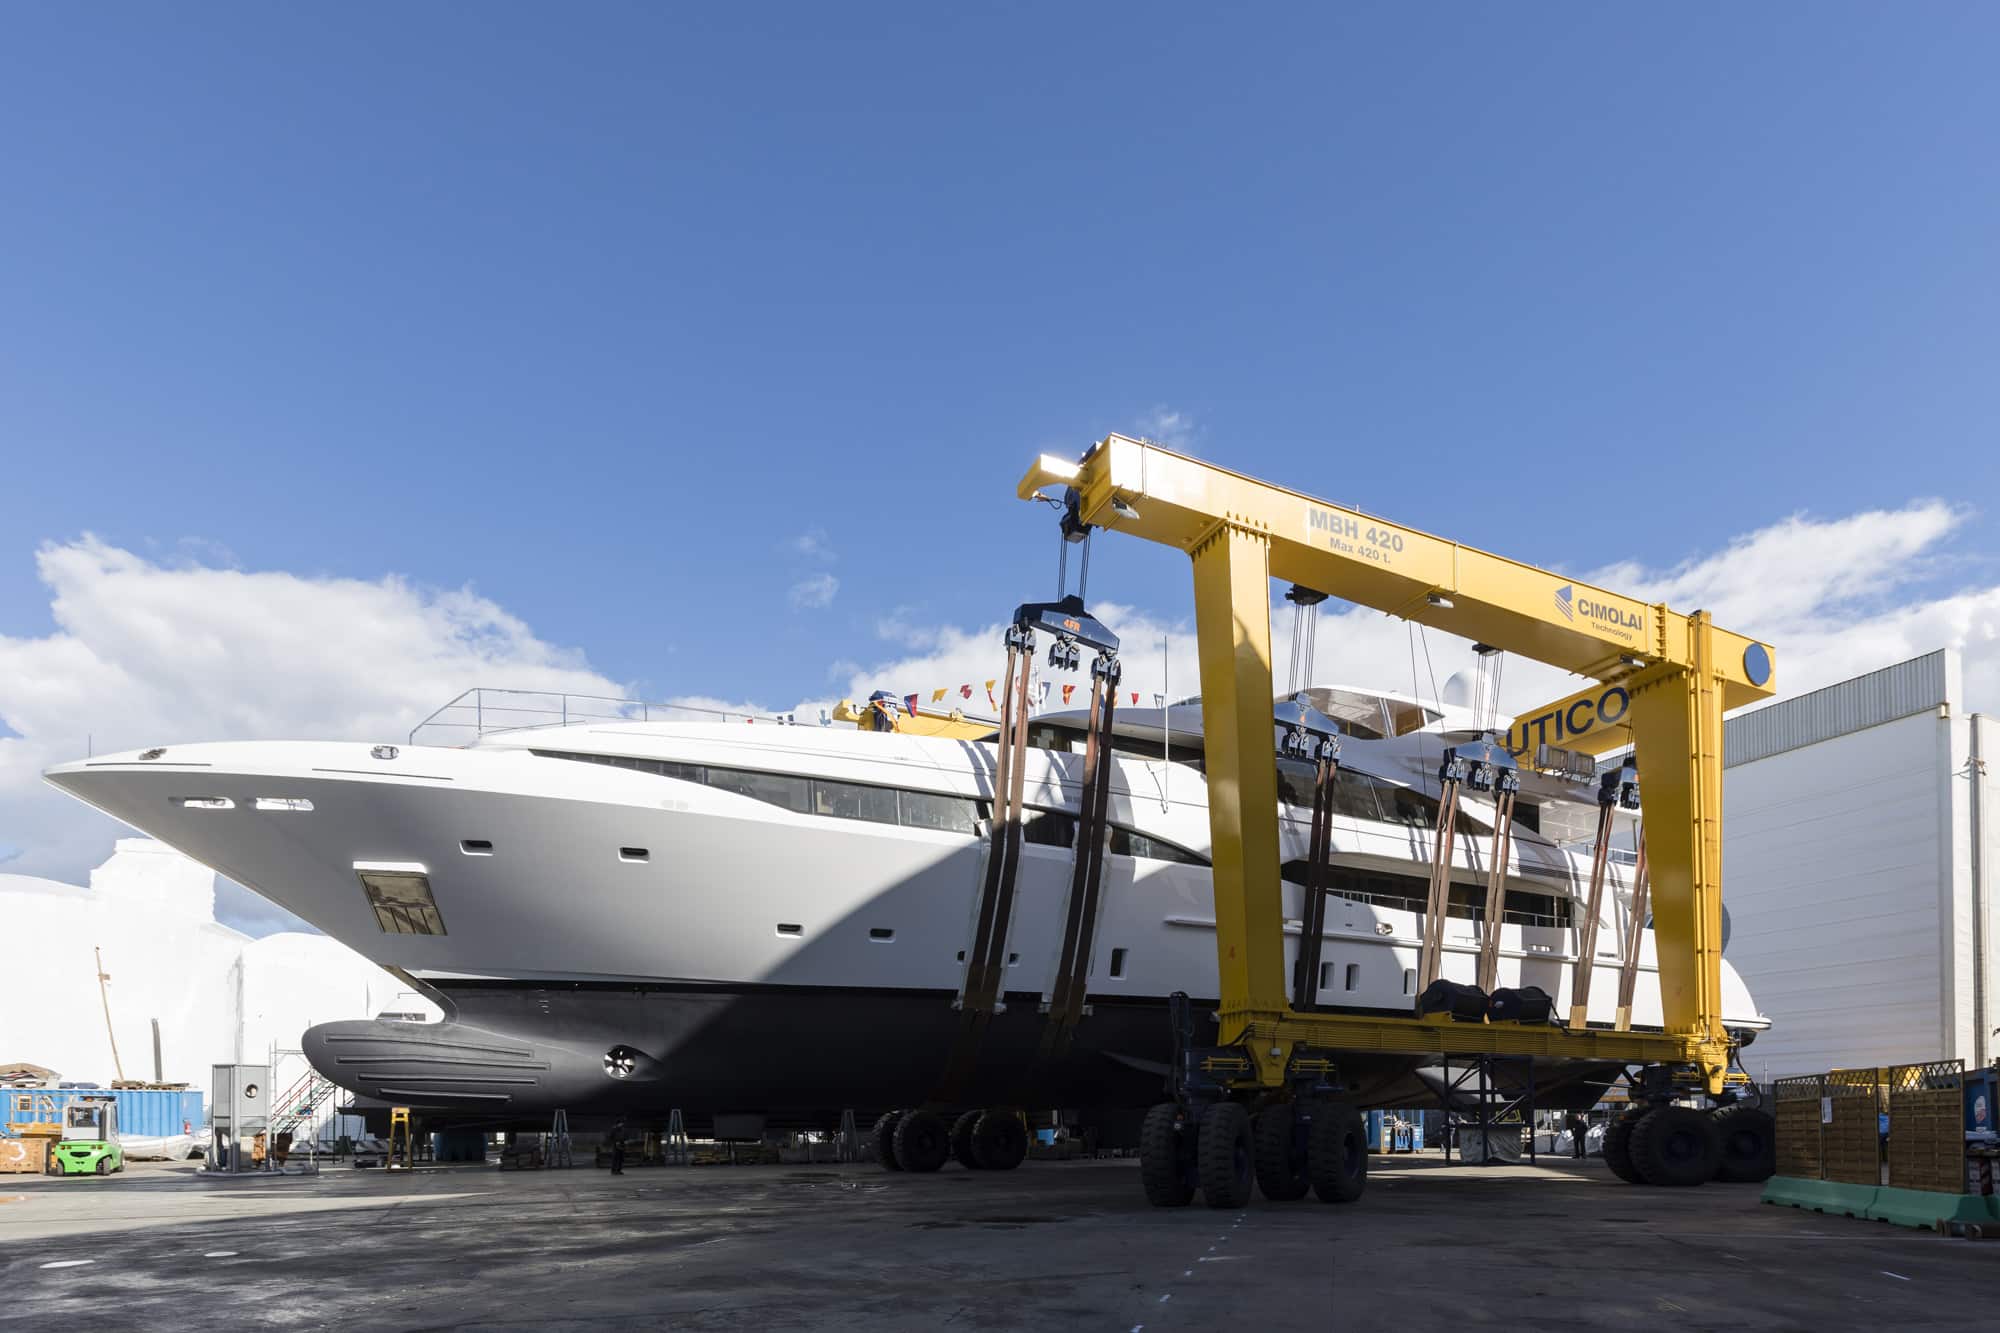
218,995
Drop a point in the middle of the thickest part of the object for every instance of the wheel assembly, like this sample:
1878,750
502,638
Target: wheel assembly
1749,1143
1618,1145
1281,1155
1224,1155
1675,1145
922,1142
963,1150
999,1140
883,1137
1166,1157
1337,1153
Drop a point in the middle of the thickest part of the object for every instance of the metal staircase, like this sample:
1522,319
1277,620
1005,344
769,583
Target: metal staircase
302,1103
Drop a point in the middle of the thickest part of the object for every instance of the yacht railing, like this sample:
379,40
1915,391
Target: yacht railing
483,710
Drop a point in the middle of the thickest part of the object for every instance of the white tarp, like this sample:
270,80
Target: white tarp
219,995
154,1148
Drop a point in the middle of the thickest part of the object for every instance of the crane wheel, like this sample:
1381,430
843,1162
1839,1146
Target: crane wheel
1676,1145
999,1139
1225,1155
1618,1145
1337,1153
1166,1158
1281,1157
923,1144
963,1150
883,1137
1749,1143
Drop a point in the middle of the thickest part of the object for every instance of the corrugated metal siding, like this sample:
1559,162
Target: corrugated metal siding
148,1112
1866,701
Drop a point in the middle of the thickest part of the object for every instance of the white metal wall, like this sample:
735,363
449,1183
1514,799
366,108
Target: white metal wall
1834,878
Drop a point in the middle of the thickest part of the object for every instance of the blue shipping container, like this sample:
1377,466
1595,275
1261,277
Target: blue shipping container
145,1112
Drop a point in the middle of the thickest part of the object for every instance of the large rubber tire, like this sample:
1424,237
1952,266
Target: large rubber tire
1618,1144
1676,1145
1166,1167
1226,1155
1749,1143
999,1140
963,1151
923,1144
1281,1158
1337,1153
883,1136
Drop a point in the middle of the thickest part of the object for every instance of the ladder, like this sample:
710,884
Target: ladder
559,1153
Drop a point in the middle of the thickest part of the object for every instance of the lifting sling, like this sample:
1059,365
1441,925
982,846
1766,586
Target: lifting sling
1310,736
1635,924
981,989
1505,785
1617,789
1430,960
1083,905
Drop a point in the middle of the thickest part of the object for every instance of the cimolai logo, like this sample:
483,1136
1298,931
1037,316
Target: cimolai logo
1604,613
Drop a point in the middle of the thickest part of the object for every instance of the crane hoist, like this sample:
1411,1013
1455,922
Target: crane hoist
1661,681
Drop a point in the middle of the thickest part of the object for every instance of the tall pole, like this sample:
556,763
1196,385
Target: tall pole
105,996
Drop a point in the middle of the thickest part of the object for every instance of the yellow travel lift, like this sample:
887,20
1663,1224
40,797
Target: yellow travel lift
1663,680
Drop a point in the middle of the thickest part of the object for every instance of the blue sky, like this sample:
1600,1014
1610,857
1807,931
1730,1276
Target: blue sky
601,309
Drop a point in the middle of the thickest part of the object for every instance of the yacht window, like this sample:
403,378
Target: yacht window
1409,981
1407,893
1131,842
852,800
1117,964
1355,795
1353,976
786,793
402,902
1046,828
949,814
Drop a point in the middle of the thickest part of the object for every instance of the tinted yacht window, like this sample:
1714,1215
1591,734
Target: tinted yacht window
851,800
787,793
948,814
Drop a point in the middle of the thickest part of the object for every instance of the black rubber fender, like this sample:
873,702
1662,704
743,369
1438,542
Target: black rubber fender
1166,1159
1281,1157
963,1150
1749,1143
1618,1144
1676,1145
999,1139
1225,1155
883,1138
1337,1153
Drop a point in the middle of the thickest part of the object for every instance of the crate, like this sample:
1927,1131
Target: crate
24,1156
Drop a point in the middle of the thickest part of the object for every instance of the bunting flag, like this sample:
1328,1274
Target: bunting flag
1135,698
1042,695
937,696
1159,701
1067,691
910,702
990,700
965,691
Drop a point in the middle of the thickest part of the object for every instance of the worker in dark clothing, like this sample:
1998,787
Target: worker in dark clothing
1579,1129
618,1148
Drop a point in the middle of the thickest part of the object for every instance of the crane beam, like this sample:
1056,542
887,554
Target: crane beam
1675,675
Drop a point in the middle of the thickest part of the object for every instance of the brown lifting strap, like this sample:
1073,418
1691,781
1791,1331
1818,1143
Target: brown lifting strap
1617,788
1430,961
1496,888
1312,907
1081,910
1635,925
985,962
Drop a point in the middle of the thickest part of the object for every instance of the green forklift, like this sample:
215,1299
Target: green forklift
89,1143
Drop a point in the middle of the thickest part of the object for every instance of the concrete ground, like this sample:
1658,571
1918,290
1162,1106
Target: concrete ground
1051,1246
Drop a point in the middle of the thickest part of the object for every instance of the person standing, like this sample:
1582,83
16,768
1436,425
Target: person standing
1579,1130
618,1147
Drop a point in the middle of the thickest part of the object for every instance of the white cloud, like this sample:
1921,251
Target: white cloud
812,544
147,654
814,591
1168,426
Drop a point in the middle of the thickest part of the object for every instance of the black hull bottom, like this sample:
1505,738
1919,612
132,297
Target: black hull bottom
512,1054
